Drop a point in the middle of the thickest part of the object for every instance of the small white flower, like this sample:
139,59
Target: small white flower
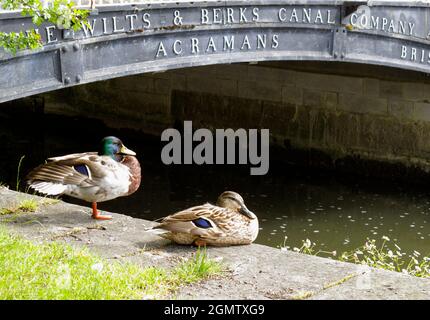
390,253
64,279
97,267
385,238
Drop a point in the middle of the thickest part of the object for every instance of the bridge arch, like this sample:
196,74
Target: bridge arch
132,39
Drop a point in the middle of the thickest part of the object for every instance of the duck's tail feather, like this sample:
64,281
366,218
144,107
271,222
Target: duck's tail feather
49,188
156,230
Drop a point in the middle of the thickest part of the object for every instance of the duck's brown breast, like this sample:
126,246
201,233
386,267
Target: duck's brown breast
135,173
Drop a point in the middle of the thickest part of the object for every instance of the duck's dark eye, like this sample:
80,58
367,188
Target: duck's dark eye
202,223
233,199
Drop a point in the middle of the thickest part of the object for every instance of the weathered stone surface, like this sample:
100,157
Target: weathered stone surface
330,100
371,87
265,74
253,272
401,108
390,89
206,84
414,91
257,90
292,95
329,82
361,104
312,98
422,111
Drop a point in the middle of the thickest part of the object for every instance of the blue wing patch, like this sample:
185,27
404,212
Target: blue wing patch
202,223
82,169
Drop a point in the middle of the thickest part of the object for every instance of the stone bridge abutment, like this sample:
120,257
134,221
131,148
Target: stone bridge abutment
342,80
325,113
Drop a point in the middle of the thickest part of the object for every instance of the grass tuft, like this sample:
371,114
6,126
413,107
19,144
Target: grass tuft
200,266
58,271
28,205
24,206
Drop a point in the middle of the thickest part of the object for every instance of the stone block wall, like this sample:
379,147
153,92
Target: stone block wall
341,110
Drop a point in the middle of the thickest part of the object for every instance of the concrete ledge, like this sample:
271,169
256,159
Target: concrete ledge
255,271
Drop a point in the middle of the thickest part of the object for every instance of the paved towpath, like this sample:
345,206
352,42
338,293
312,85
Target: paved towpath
255,271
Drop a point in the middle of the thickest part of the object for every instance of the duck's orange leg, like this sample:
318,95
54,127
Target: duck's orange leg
97,215
200,243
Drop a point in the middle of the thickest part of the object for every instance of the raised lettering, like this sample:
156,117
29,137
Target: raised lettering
261,41
194,45
306,15
255,14
228,43
131,18
115,27
211,45
319,17
175,47
161,50
205,16
50,34
275,42
146,22
245,43
282,14
242,15
89,30
404,52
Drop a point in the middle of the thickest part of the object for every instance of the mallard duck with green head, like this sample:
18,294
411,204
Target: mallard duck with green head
229,222
112,172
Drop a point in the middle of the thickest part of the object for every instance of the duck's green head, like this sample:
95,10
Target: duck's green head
113,147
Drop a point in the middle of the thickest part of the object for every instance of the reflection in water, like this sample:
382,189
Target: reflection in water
335,212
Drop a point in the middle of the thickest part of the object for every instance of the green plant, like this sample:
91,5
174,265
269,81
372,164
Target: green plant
26,205
18,173
309,247
385,255
59,12
15,41
198,267
59,271
389,256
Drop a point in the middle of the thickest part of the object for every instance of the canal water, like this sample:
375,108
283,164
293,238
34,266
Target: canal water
337,212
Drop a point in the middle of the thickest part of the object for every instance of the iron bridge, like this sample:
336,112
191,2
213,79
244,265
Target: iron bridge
123,40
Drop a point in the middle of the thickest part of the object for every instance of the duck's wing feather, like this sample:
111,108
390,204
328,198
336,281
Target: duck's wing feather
72,156
81,169
203,221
